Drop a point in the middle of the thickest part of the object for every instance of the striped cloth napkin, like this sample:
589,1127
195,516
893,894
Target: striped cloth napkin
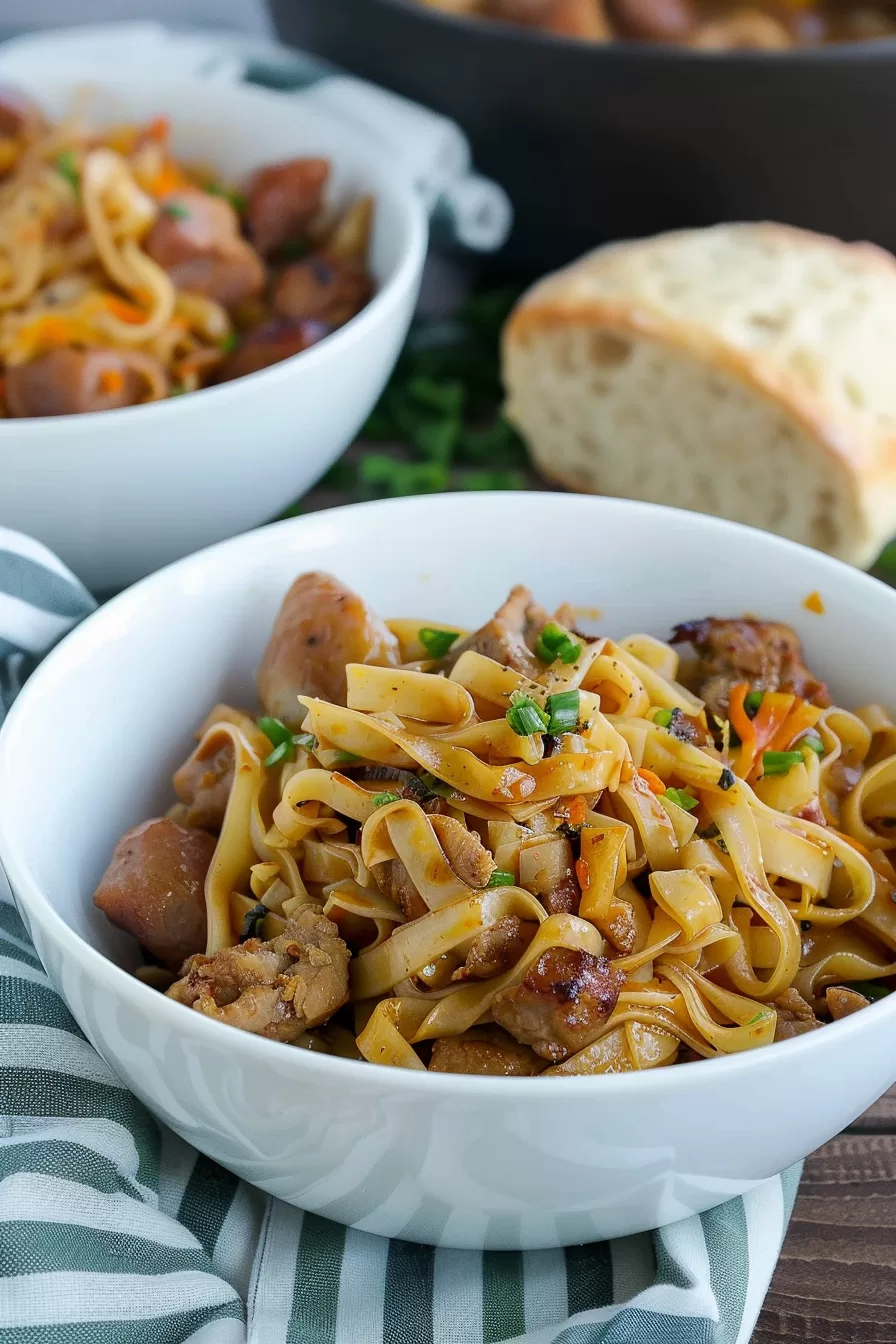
114,1231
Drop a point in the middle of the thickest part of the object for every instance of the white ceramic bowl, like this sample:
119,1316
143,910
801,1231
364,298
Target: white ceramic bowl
453,1160
120,493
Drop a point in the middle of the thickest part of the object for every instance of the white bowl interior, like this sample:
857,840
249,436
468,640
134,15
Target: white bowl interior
89,747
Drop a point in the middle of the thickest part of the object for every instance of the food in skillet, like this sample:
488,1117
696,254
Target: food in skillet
524,850
713,25
127,276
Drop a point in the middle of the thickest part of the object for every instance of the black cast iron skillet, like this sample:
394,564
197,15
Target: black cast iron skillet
610,141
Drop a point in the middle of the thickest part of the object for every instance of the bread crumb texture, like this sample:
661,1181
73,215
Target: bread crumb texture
744,371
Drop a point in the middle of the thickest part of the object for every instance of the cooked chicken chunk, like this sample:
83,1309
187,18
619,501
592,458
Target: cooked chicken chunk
154,888
843,1002
394,881
281,201
270,343
322,290
277,989
69,382
321,626
563,1002
654,20
509,636
197,240
488,1051
495,949
767,654
203,785
795,1016
466,854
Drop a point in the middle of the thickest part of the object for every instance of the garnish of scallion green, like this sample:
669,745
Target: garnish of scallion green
525,717
555,643
252,922
681,798
663,717
436,642
66,164
383,799
752,701
563,712
813,741
176,210
870,988
345,758
780,762
501,879
283,739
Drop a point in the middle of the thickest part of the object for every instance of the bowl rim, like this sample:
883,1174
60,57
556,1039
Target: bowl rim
522,36
119,982
404,274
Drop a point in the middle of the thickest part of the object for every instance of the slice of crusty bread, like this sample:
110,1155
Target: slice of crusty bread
747,370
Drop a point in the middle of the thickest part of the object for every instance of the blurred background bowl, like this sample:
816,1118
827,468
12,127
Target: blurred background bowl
595,142
119,493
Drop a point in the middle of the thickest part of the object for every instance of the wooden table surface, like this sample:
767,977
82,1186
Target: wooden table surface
836,1279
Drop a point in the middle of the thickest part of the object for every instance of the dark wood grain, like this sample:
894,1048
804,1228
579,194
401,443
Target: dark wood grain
836,1280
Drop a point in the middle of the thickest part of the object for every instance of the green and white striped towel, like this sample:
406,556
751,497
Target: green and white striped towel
114,1231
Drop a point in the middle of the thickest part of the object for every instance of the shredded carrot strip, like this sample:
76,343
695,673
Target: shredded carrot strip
583,874
743,726
577,810
814,603
771,714
802,716
56,331
158,129
653,782
168,179
111,381
127,312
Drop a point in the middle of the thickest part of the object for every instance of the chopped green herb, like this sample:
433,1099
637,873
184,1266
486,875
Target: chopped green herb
275,730
752,701
67,165
501,879
715,835
870,988
381,799
281,753
780,762
758,1018
229,343
252,922
726,780
554,643
437,786
663,717
525,717
446,397
345,758
176,209
681,798
813,742
436,642
306,740
236,198
563,712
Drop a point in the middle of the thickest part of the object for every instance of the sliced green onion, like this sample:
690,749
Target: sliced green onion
813,742
438,786
780,762
176,210
306,740
252,922
229,343
758,1018
501,879
275,730
554,643
563,712
752,701
870,988
436,642
681,798
345,758
281,753
663,717
381,799
525,717
66,164
726,780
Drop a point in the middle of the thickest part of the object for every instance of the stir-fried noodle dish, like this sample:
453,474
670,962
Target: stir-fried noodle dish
127,276
523,850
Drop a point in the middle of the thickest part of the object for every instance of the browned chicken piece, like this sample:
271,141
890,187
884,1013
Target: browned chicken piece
843,1002
509,636
499,1055
270,343
466,854
547,870
767,654
20,116
795,1016
744,30
495,949
323,290
70,382
277,989
197,240
282,200
654,20
203,785
572,18
154,888
394,881
563,1002
321,626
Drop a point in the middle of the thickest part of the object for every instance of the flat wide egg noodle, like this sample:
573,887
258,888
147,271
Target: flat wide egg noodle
423,817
